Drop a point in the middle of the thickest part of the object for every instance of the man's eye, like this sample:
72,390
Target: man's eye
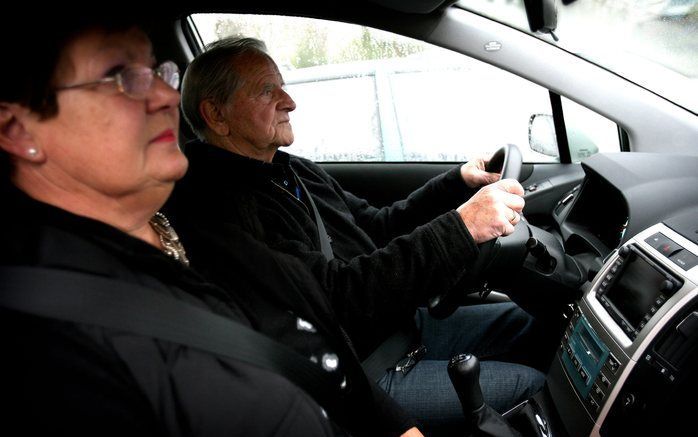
267,90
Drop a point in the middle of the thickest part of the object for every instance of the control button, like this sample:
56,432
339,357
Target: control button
612,364
655,240
567,199
604,381
660,300
584,375
594,405
669,248
628,400
646,318
653,309
599,393
614,269
604,284
624,251
532,188
576,363
641,325
664,245
684,259
609,277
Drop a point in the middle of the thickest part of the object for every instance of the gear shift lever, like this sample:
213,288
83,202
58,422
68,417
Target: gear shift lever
464,371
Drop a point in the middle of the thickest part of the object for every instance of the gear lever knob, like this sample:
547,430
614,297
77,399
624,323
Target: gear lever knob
464,371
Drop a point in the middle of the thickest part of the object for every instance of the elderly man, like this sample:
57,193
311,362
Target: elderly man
376,265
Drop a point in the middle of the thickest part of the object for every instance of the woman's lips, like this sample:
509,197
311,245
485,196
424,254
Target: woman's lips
165,136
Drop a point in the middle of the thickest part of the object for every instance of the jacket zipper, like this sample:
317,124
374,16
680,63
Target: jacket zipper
292,196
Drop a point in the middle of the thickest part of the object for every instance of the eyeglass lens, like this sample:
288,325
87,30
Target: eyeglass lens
138,81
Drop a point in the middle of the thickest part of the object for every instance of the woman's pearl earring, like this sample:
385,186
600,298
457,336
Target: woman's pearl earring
32,152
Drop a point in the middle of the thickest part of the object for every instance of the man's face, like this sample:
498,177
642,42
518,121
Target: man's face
258,112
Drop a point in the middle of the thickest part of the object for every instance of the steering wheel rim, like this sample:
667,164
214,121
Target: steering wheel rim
507,161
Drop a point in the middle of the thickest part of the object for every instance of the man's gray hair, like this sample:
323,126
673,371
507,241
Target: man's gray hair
210,76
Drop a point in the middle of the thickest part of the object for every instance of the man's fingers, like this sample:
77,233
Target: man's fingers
508,228
515,218
490,178
514,202
511,186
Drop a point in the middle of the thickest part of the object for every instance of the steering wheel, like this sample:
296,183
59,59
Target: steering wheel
507,161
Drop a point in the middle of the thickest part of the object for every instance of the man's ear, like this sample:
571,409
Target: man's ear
15,139
213,116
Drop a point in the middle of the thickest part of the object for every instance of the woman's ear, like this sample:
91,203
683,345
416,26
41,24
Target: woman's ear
214,118
15,139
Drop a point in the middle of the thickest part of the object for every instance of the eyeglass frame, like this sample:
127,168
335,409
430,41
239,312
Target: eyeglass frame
118,79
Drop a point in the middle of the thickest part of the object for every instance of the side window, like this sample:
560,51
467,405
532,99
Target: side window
368,95
587,131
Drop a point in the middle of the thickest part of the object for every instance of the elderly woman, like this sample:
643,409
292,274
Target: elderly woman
88,133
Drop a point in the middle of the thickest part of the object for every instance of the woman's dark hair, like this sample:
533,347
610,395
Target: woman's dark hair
33,45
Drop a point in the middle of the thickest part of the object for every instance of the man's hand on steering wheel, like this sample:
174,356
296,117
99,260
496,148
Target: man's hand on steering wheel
491,213
474,174
494,210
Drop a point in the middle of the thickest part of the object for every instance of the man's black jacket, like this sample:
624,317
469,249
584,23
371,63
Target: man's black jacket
387,260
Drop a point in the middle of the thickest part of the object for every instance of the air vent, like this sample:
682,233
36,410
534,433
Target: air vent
677,346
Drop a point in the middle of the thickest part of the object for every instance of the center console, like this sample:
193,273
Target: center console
626,359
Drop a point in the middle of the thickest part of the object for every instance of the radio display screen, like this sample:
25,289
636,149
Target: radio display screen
636,290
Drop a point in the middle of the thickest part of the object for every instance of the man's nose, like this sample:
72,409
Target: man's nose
287,102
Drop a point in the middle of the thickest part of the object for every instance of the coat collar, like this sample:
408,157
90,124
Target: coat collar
209,161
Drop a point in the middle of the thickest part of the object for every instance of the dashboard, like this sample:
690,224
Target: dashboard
625,364
621,195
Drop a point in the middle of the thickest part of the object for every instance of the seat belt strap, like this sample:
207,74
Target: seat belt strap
95,300
325,241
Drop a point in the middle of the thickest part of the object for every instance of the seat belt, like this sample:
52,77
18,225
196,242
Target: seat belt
325,241
110,303
394,347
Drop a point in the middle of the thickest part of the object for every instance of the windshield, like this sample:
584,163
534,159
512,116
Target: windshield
653,43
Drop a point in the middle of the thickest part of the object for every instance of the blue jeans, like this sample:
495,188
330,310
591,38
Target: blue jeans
502,336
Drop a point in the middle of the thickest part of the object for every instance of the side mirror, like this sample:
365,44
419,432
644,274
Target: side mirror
542,15
542,138
541,135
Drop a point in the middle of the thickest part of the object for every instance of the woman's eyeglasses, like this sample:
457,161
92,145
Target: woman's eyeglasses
136,81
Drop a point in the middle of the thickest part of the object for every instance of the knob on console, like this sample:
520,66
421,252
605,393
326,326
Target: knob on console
667,286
